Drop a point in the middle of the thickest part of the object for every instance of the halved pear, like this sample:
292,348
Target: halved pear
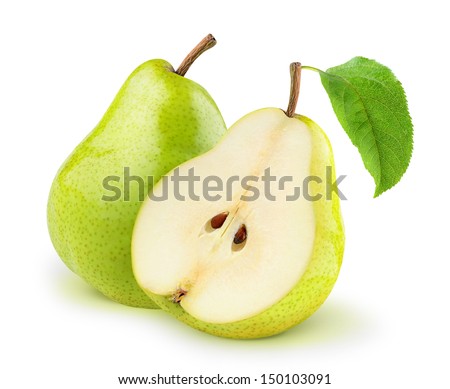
237,264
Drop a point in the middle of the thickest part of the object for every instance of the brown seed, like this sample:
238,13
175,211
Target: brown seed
178,295
218,220
240,235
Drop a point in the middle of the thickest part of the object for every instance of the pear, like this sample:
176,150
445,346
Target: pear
158,120
256,260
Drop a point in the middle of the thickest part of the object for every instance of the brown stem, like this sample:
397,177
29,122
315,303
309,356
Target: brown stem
205,44
296,70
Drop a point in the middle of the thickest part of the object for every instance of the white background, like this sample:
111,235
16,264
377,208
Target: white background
386,323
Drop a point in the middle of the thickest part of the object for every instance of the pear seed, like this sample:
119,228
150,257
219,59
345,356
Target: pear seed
240,235
218,220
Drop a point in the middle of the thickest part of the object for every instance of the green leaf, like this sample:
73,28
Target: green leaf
371,106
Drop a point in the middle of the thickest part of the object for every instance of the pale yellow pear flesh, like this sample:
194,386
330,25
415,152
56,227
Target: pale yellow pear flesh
290,260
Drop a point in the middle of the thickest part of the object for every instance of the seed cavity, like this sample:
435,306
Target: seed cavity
241,235
218,220
178,295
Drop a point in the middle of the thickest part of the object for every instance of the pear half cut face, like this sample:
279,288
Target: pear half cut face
231,254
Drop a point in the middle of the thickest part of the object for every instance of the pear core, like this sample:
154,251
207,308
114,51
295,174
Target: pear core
176,249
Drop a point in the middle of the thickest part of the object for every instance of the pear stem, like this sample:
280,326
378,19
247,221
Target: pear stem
205,44
296,70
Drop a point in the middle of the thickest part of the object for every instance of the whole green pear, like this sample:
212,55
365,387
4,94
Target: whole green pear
158,120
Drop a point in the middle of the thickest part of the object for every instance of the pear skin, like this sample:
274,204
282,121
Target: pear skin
158,120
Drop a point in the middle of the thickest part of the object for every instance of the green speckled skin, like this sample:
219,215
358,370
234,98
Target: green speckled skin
157,121
319,278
